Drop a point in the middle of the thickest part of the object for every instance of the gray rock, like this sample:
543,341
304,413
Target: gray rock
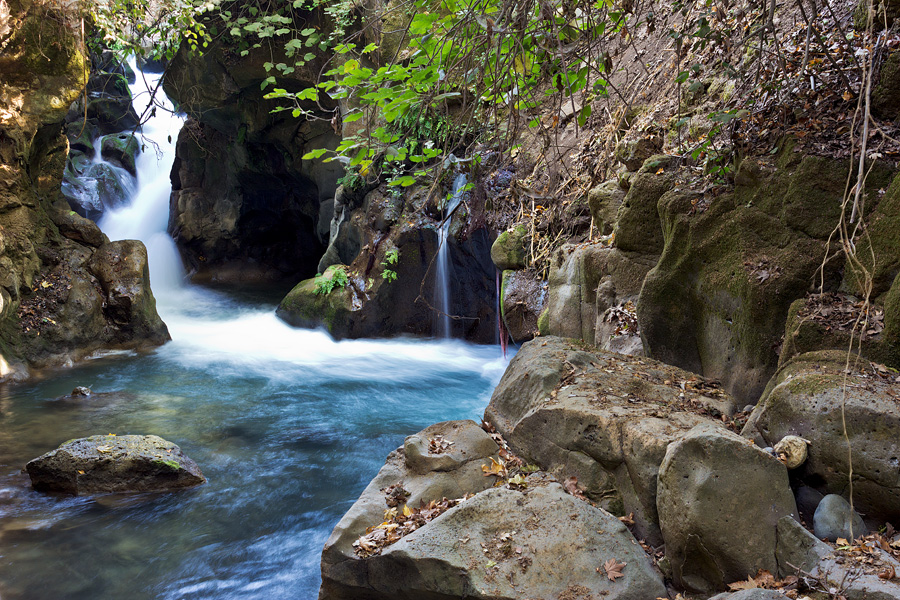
604,418
121,149
835,519
538,542
123,272
712,484
799,549
523,297
585,281
805,399
755,594
604,202
112,463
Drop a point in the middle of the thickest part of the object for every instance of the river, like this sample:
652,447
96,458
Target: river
287,424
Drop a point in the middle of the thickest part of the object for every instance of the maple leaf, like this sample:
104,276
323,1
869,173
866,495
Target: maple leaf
613,569
498,469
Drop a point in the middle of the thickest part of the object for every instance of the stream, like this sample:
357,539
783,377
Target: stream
288,425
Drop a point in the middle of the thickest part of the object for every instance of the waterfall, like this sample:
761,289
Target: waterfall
442,269
146,217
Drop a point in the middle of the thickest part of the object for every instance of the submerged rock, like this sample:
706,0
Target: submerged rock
111,463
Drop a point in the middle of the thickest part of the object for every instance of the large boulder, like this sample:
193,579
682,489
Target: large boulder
717,301
86,299
808,398
714,484
604,202
114,463
604,418
502,544
509,250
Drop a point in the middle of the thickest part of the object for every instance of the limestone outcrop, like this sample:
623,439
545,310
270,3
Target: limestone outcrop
513,541
604,418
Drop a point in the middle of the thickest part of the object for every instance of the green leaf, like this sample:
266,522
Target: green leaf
314,153
404,181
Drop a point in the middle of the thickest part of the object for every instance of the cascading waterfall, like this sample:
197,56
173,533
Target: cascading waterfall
147,217
442,267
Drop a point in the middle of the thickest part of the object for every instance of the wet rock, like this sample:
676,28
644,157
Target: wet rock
509,249
111,463
604,418
81,391
77,228
501,544
523,299
712,484
122,270
805,399
835,519
120,149
112,114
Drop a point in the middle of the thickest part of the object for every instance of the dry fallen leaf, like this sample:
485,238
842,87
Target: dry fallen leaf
613,569
888,573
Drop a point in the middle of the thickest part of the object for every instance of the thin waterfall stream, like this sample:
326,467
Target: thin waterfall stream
442,280
287,424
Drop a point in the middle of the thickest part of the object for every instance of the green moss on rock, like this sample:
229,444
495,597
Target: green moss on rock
509,249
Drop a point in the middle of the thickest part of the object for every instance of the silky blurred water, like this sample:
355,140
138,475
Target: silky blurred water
288,425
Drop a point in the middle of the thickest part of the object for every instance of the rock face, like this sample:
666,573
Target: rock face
805,399
602,417
717,301
374,304
713,484
503,543
110,463
51,301
245,205
523,299
588,283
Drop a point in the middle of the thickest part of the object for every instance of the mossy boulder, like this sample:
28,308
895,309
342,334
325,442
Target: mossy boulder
510,248
886,93
882,241
638,227
633,152
120,149
114,463
322,301
604,201
892,314
808,398
809,329
718,300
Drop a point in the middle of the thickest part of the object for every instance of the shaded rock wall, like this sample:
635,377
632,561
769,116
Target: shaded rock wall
245,205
